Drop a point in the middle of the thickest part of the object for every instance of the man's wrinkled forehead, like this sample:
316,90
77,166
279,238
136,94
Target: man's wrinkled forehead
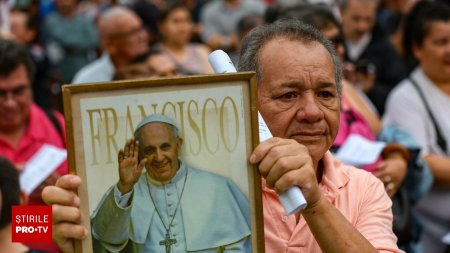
279,40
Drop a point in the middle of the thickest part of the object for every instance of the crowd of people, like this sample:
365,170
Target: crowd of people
376,68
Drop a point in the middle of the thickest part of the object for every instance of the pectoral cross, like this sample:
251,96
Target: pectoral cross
168,242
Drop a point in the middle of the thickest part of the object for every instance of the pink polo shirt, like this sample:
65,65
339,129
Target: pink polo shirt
40,130
357,194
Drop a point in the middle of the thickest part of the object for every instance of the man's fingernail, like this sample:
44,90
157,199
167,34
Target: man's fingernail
85,233
74,180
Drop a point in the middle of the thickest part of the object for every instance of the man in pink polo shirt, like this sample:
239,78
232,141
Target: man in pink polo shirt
24,127
299,89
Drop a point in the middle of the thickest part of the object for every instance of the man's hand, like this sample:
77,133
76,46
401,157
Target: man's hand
285,163
66,212
50,180
129,169
366,81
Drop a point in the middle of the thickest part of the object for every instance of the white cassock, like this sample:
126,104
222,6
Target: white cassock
213,215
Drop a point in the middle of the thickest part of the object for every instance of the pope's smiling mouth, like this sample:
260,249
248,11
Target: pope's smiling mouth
160,165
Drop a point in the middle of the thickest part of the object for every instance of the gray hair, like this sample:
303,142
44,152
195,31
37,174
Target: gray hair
285,28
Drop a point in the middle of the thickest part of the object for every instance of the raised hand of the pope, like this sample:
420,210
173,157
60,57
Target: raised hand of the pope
130,168
285,163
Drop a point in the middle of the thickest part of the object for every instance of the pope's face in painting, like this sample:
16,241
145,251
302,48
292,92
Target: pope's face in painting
160,145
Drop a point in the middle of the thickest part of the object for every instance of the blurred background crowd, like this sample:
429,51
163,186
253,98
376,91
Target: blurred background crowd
396,66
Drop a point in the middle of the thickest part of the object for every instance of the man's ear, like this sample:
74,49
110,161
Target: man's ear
179,144
23,198
30,34
417,51
109,46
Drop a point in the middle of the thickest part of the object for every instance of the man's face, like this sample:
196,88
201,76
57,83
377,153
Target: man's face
19,28
161,148
15,100
358,19
128,37
434,53
297,95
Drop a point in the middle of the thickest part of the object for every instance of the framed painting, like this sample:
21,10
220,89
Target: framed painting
211,201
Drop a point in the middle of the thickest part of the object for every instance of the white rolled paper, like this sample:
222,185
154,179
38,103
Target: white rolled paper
292,200
264,132
221,62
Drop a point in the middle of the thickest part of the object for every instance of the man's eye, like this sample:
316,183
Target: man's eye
149,151
325,94
19,91
288,96
441,42
165,147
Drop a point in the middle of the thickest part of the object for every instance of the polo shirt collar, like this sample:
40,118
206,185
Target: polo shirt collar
333,177
35,128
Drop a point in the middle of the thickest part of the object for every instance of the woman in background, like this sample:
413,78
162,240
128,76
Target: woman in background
176,27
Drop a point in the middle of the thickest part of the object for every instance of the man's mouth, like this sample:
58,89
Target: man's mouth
159,165
308,133
9,113
307,136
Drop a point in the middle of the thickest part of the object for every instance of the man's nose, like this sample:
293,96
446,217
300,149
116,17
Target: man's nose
310,110
447,49
159,157
364,26
143,35
9,99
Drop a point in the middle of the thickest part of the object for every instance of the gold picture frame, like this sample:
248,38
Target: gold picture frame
216,114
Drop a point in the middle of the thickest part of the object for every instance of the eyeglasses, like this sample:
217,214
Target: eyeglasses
125,35
15,93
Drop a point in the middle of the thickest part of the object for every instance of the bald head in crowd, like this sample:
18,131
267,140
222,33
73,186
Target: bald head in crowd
123,38
123,35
